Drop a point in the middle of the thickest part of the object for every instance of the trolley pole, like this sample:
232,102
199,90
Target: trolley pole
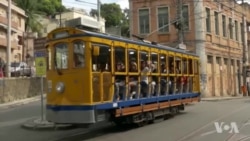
8,54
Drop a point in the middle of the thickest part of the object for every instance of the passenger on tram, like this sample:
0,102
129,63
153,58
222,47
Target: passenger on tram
163,81
163,68
144,77
120,81
133,80
154,78
171,81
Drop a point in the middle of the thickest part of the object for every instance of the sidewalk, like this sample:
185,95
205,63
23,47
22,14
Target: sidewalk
36,123
224,98
21,102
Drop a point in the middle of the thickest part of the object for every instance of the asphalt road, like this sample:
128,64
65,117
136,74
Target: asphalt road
199,122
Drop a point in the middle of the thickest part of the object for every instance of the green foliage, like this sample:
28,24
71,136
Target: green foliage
50,7
30,8
93,12
36,8
114,17
112,14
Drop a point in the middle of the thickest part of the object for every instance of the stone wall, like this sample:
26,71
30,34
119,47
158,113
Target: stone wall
12,89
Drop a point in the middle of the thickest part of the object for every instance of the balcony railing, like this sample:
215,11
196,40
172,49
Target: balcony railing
4,21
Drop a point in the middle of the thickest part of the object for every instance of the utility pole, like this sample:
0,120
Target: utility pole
9,41
180,23
98,10
200,43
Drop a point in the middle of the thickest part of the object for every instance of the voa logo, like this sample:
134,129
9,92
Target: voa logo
223,127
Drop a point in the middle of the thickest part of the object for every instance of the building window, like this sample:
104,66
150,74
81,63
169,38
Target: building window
241,29
224,25
218,60
236,31
216,23
209,59
208,20
231,28
144,21
185,15
225,61
163,23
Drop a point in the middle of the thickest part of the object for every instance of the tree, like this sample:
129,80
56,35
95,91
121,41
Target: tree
93,13
37,8
50,7
114,17
30,8
112,14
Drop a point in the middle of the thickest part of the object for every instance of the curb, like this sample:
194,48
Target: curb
223,99
21,102
39,124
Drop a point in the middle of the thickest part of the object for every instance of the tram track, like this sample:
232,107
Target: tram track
203,130
198,132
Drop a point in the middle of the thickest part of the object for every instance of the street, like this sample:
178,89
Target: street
204,121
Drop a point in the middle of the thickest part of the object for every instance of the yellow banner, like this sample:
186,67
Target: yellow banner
40,66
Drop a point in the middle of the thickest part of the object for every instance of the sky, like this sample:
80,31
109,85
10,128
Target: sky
92,4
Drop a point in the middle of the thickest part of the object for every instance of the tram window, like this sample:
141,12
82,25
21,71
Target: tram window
184,66
49,58
154,59
190,66
144,57
133,60
61,56
79,58
171,64
163,64
196,65
119,54
102,61
178,65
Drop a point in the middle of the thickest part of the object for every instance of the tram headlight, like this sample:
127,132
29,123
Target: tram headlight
60,87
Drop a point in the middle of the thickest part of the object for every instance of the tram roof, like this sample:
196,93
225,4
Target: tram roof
138,42
123,39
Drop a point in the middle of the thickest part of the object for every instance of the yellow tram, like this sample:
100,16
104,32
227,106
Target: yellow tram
94,77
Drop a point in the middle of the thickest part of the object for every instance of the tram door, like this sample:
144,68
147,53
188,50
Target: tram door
101,73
